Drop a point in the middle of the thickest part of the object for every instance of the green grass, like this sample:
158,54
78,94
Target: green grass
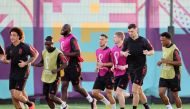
87,106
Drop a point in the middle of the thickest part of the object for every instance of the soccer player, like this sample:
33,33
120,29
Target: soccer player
52,61
119,69
170,72
105,78
136,48
17,55
70,48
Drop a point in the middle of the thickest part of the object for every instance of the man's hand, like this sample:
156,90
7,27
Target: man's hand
99,65
126,53
4,60
123,67
165,61
112,68
54,71
22,64
145,52
148,53
159,63
162,61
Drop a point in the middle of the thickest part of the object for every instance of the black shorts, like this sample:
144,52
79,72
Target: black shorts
51,88
137,75
17,84
172,84
73,74
121,81
106,81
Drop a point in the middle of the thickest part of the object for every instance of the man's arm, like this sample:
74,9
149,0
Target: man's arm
33,56
40,64
125,47
149,48
176,61
108,64
6,58
1,53
75,50
63,62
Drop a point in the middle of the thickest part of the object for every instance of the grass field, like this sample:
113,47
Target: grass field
87,106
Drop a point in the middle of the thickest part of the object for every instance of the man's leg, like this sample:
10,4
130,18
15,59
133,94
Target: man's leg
52,93
65,85
143,99
18,95
18,104
97,94
177,100
46,91
111,98
164,98
83,92
121,97
135,91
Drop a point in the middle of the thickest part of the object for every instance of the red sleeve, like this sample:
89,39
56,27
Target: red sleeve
63,58
33,51
176,55
149,45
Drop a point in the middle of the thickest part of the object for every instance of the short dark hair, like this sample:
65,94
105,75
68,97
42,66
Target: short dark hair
18,31
166,35
132,26
49,38
120,34
104,35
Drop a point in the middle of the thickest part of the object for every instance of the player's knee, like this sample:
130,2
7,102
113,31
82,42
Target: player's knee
64,88
51,96
46,98
119,93
110,97
95,93
161,94
135,92
77,88
175,95
109,94
15,95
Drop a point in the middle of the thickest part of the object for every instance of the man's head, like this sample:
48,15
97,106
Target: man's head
16,34
165,38
118,37
48,42
132,30
66,29
103,40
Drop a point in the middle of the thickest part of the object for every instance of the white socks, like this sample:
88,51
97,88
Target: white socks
105,101
89,98
126,94
169,106
113,106
64,104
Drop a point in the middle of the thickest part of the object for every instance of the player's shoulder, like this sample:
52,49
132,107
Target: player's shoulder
108,49
143,39
9,47
24,45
